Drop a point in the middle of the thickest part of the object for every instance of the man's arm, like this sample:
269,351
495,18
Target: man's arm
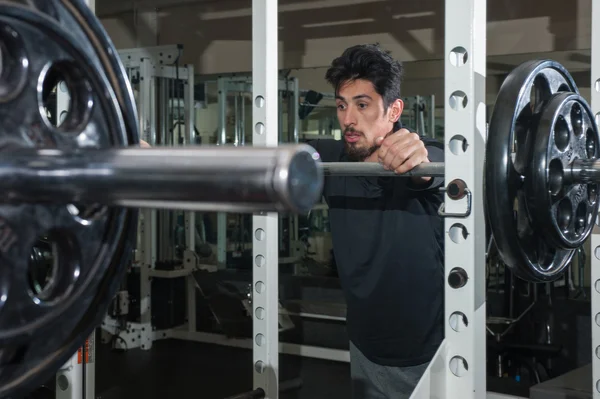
435,153
403,150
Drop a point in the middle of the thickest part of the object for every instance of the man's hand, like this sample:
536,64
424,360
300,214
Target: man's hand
401,151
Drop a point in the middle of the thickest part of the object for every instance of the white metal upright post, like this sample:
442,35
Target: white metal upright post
148,217
222,140
265,248
465,123
595,237
458,369
190,217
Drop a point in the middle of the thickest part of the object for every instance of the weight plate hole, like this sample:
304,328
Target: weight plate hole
63,86
590,143
562,136
592,190
14,63
556,176
577,119
580,218
564,214
540,92
52,268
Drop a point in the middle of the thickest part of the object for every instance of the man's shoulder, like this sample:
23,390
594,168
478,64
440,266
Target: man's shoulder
330,150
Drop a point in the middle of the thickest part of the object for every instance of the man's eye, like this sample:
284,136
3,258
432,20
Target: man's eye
341,106
362,105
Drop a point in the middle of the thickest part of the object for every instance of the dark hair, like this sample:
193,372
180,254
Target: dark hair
368,62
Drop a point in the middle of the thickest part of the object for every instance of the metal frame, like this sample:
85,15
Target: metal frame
265,246
458,370
243,84
595,237
148,65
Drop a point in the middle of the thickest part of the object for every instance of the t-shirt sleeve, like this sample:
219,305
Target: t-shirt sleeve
435,150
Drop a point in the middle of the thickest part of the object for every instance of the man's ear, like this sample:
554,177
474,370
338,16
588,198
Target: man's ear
395,110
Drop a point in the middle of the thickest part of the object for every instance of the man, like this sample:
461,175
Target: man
387,236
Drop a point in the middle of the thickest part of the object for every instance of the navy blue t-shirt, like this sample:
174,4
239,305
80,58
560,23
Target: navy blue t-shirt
388,242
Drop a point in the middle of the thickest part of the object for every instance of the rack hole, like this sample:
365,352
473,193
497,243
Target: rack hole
260,287
458,144
459,366
458,233
260,313
259,234
259,101
458,100
458,56
260,367
458,321
260,340
259,128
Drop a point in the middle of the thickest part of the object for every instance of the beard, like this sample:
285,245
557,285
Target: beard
355,152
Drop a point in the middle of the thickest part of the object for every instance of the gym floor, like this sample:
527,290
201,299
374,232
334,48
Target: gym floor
182,369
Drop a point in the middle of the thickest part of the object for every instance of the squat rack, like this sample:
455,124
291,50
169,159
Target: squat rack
458,369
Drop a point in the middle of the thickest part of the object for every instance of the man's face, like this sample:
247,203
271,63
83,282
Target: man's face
362,117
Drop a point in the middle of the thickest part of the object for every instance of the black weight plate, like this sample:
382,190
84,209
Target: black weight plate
565,211
87,247
90,32
508,156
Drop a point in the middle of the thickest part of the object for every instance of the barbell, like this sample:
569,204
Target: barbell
81,182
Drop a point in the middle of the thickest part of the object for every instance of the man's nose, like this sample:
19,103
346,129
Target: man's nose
349,118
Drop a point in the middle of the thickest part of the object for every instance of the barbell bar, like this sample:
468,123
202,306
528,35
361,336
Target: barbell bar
204,178
431,169
580,171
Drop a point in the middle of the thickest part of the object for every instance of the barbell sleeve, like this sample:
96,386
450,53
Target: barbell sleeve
583,171
203,178
430,169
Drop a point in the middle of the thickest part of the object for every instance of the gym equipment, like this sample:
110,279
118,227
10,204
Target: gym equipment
432,169
541,172
532,151
235,179
73,185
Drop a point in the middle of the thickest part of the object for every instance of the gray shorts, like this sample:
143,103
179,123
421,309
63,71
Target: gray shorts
373,381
